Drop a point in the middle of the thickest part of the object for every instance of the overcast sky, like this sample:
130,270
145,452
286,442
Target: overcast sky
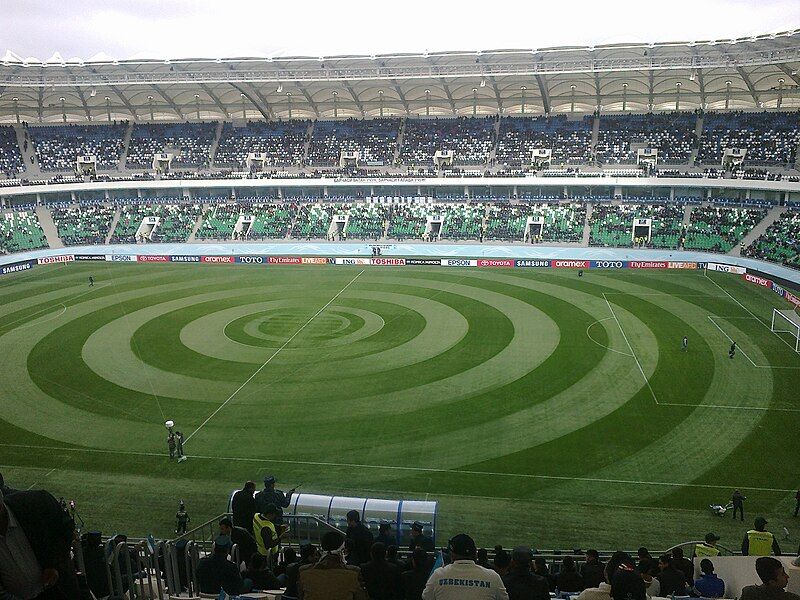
229,28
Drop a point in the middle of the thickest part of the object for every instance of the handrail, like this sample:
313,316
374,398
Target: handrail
195,534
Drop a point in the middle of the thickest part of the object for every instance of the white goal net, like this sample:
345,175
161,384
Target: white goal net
787,321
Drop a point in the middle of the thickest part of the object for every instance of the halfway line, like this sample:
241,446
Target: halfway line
286,343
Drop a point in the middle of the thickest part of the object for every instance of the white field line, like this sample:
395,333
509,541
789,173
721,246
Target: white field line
633,354
764,323
163,455
730,339
46,475
598,343
274,354
761,408
89,291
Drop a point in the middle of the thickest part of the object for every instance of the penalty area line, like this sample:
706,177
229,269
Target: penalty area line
675,484
274,354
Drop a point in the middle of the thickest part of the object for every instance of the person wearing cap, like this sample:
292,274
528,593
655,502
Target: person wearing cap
216,572
240,536
463,579
181,518
774,581
521,582
267,533
243,506
708,548
709,585
269,495
330,578
759,541
362,537
738,503
418,538
385,536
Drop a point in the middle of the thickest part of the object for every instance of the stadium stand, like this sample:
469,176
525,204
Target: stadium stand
83,224
612,225
190,141
21,231
462,222
219,222
768,137
570,141
407,222
176,222
58,146
11,163
717,229
313,221
271,221
282,142
620,136
367,221
469,138
780,242
375,141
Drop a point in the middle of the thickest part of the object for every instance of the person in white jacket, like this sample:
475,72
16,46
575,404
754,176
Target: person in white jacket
463,579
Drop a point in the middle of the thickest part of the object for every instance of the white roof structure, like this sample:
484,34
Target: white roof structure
746,73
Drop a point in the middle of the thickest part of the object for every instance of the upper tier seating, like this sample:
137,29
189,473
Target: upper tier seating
11,163
282,142
612,225
768,137
620,136
469,138
716,229
20,231
569,141
780,242
375,141
177,221
58,146
191,141
83,224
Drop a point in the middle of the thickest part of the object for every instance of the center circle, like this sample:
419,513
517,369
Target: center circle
279,325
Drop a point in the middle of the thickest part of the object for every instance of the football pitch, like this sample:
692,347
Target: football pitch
537,407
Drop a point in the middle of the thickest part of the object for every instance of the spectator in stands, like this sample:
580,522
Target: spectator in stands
351,557
418,538
267,533
541,569
381,578
260,575
463,579
385,536
216,572
671,580
309,555
35,540
569,580
709,547
645,559
416,577
603,591
391,556
592,570
483,559
243,506
361,536
521,582
709,585
286,558
627,584
774,581
759,541
683,564
269,495
330,578
239,536
502,561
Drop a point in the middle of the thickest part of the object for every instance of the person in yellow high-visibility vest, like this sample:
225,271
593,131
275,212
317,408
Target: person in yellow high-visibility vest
759,541
267,534
707,549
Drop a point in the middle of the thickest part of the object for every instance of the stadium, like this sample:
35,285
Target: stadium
545,296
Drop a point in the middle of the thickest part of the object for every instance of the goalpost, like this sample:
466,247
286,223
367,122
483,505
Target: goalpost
787,321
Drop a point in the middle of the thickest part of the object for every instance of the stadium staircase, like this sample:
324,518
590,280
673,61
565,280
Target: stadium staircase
400,135
48,227
198,222
773,215
212,152
687,215
32,169
587,230
126,143
595,137
698,132
307,145
114,222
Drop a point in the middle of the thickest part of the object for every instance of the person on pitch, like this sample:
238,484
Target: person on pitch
732,350
171,444
685,344
91,281
181,518
179,446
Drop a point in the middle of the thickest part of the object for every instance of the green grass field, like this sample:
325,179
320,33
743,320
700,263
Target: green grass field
535,406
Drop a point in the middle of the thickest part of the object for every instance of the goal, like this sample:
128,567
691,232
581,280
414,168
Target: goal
787,321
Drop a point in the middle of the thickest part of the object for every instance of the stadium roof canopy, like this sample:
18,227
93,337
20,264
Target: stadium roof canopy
745,73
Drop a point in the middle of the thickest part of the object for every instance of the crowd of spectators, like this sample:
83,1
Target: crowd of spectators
768,137
671,134
282,141
83,224
780,242
57,147
570,141
374,140
189,142
613,225
11,163
20,230
175,222
719,229
469,138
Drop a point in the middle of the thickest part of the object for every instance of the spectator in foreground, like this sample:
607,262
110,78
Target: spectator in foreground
569,580
361,536
603,591
463,579
709,585
418,538
243,506
683,564
267,533
260,575
627,584
381,578
521,582
309,555
482,559
592,570
416,577
671,580
541,569
330,578
243,539
774,581
707,548
759,541
216,572
385,536
35,540
502,561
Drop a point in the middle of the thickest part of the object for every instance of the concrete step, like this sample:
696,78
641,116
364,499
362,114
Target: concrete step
772,216
586,228
113,225
49,227
197,224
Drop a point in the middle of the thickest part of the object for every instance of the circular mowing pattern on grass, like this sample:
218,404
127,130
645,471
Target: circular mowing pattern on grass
530,373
